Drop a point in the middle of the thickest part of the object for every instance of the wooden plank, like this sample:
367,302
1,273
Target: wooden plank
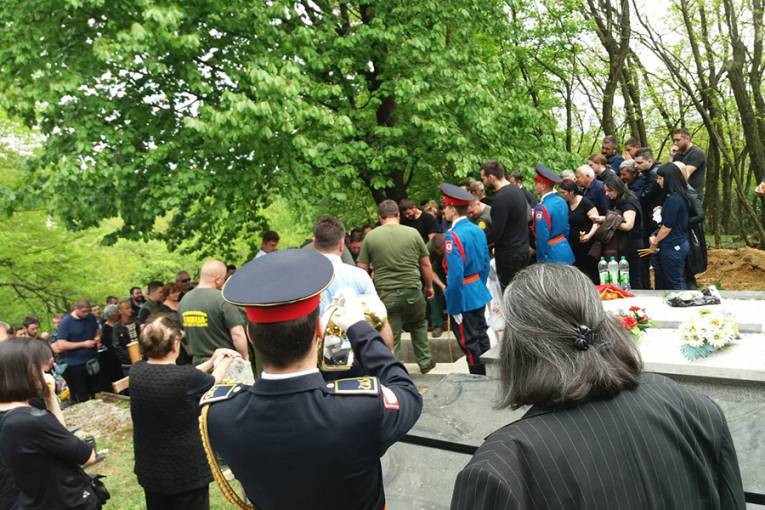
121,385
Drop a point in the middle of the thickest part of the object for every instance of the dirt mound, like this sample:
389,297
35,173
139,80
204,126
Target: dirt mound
740,269
100,419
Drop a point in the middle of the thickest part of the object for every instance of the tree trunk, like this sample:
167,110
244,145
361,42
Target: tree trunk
613,29
633,91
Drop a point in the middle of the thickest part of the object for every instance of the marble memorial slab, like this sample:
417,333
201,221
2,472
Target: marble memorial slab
749,313
459,408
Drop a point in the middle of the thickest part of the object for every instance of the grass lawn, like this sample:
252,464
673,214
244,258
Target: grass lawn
110,424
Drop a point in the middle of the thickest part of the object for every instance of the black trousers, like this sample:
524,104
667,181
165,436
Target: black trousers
471,335
82,386
195,499
508,264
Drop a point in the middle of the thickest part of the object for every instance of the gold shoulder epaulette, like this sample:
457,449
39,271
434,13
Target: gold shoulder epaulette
355,386
221,392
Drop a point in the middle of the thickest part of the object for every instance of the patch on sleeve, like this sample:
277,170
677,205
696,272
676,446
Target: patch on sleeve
355,386
390,401
448,245
221,392
538,216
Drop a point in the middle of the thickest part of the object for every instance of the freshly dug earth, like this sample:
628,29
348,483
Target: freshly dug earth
100,419
110,424
740,269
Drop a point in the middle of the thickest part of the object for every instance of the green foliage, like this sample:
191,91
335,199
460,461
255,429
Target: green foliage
44,268
204,112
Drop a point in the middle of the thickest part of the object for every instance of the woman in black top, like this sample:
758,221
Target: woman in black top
630,231
110,367
41,455
581,228
171,298
164,403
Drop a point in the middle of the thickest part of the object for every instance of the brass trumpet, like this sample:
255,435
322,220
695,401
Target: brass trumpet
335,352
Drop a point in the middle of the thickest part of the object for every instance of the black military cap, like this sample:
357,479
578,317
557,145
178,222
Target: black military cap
454,195
281,286
544,174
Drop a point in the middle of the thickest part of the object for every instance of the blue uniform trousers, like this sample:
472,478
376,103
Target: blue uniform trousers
472,338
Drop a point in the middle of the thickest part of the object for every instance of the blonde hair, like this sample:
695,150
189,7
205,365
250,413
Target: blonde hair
683,169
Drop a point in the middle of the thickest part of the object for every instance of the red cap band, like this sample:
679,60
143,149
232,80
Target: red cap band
282,313
455,201
544,180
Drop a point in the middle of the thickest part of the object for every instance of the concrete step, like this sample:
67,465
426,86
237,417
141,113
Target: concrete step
444,349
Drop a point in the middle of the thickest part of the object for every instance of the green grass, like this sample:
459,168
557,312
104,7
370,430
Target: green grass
123,486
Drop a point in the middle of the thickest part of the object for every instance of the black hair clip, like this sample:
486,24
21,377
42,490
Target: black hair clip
583,337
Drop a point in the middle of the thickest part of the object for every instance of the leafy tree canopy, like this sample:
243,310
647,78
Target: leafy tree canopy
202,112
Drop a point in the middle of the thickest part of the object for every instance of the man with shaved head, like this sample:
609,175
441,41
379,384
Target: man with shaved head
209,321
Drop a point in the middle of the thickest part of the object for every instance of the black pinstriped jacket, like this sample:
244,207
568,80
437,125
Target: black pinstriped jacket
658,446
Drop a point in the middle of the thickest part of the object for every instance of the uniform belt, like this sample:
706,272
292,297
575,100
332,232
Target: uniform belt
555,240
470,279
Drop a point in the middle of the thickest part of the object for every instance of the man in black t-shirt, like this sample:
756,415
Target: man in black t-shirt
510,223
412,216
693,157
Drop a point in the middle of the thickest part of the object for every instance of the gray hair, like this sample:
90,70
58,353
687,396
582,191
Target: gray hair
568,174
611,140
586,170
629,164
540,363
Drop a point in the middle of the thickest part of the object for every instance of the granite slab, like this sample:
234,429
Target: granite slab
459,407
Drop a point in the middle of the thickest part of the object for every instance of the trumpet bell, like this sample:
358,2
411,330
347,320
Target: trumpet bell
335,350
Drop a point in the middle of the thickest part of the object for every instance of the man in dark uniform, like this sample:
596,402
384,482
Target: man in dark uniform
467,268
292,439
551,220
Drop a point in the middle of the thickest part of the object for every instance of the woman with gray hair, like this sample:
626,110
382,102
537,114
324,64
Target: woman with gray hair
599,434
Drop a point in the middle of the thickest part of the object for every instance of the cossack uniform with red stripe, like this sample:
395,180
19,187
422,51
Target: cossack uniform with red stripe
466,262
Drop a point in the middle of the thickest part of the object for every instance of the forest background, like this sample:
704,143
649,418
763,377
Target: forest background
139,137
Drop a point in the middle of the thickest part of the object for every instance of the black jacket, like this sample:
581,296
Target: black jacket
659,446
307,443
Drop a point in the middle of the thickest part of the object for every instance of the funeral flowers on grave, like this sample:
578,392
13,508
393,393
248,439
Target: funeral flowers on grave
635,320
707,331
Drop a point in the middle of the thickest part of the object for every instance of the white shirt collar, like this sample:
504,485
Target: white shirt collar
548,193
333,257
458,220
289,375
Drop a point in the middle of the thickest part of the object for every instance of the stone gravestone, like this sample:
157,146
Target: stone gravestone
459,407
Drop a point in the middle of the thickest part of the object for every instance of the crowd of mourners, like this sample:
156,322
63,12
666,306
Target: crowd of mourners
175,340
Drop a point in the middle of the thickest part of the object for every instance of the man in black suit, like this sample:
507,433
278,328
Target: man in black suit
599,434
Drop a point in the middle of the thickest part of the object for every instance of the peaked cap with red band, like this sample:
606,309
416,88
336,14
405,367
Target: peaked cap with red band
454,195
546,175
282,286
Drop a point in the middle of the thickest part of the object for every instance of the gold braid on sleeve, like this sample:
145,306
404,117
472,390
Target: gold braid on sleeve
228,492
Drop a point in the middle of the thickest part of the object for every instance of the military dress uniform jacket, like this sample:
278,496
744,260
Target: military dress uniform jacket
466,259
551,228
660,446
306,443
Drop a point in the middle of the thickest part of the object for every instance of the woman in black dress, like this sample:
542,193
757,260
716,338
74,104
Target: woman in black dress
581,228
42,457
164,403
631,229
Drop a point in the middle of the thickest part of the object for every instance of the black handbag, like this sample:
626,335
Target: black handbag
99,489
93,367
697,249
100,492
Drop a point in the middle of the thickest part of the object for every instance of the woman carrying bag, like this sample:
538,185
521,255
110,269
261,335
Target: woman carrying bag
42,456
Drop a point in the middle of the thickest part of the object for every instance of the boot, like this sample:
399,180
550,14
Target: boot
477,369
